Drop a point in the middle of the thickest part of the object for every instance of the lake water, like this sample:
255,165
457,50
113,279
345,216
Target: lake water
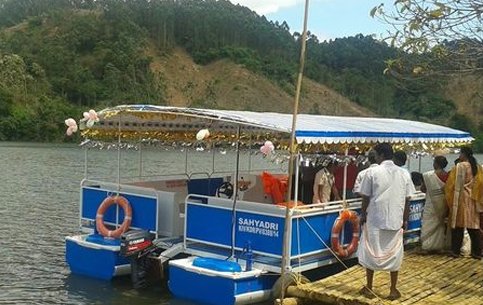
39,206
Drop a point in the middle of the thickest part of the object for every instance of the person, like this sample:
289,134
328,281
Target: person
307,173
351,177
417,179
371,156
324,184
433,229
385,191
400,158
463,192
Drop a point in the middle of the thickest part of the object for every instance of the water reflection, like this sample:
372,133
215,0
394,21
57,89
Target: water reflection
119,291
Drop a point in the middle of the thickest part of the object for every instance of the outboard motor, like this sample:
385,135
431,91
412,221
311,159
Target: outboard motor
136,245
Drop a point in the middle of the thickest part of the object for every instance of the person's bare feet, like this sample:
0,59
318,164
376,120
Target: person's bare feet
394,295
367,292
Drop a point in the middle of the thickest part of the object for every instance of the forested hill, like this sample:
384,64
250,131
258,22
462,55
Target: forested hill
61,57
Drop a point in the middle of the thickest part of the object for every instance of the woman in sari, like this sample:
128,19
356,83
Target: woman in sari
433,230
464,190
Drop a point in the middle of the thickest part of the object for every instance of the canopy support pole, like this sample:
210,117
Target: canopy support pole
82,183
119,155
296,188
287,227
85,161
250,154
140,159
186,162
235,192
344,187
118,166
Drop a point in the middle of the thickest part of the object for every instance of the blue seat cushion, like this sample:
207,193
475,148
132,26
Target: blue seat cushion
217,264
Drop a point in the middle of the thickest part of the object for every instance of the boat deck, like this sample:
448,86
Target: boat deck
423,279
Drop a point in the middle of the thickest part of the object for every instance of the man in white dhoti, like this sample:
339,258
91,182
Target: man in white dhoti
385,192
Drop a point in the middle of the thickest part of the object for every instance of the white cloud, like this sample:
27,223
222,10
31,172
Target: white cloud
264,7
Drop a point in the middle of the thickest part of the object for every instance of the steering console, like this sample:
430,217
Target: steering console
225,190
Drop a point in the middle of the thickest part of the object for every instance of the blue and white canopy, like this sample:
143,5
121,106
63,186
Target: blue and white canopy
155,121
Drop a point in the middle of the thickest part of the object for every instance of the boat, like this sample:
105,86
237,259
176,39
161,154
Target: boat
223,230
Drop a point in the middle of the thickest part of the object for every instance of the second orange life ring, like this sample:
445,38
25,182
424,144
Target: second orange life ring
339,249
124,204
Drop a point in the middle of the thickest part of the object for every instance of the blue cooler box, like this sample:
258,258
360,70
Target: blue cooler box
217,282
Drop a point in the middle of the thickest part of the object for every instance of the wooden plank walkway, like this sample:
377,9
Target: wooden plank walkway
423,279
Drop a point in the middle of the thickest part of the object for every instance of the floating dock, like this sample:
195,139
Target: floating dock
423,279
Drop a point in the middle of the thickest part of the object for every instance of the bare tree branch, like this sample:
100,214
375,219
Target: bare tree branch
448,34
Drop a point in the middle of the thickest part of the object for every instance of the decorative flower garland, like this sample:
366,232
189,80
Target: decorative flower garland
271,144
90,118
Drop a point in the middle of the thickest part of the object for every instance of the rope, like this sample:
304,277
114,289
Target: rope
298,278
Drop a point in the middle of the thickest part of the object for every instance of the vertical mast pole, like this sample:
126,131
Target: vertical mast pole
296,103
286,236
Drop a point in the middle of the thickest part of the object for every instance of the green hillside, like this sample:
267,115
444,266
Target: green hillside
61,57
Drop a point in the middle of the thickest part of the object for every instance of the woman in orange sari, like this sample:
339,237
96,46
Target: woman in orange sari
463,192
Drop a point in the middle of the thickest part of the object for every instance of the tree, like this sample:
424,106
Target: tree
13,73
448,32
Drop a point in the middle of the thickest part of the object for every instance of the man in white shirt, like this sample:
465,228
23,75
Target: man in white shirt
371,156
385,191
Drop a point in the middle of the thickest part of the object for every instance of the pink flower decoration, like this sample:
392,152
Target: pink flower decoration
267,148
71,126
90,118
202,134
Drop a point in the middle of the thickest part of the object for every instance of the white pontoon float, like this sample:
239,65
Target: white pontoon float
226,225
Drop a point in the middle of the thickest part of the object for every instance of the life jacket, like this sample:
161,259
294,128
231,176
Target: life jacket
275,186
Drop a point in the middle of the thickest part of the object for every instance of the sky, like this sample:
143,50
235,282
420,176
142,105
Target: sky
328,19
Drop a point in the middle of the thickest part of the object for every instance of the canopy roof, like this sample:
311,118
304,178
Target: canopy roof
174,123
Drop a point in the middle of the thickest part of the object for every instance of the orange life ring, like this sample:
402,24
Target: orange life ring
124,204
339,249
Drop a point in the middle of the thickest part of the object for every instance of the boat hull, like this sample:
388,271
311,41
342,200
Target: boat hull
206,286
89,255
